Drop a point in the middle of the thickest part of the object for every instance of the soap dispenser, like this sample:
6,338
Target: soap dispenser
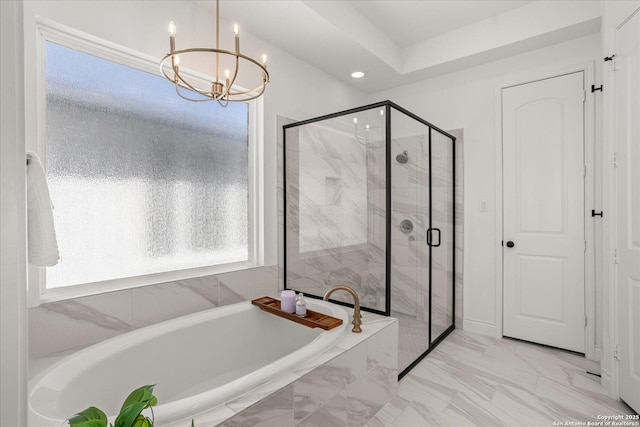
301,305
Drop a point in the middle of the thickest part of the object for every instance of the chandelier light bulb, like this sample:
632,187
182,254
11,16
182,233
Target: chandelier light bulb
236,29
176,60
382,112
226,73
172,29
355,120
264,58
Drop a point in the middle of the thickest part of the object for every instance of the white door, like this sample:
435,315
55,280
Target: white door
543,202
627,140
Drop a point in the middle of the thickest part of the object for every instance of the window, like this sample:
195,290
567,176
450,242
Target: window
143,182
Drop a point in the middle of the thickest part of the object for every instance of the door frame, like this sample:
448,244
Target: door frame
591,350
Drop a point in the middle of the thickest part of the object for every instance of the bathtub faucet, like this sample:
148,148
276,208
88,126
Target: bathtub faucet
357,319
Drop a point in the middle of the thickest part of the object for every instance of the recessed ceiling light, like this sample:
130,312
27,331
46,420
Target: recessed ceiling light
357,74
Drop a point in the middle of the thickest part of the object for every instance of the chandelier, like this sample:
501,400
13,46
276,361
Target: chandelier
217,88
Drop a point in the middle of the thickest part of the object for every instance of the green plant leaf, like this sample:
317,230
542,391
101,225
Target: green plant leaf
142,394
129,415
90,417
142,421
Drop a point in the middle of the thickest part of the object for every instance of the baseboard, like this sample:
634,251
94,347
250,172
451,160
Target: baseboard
479,327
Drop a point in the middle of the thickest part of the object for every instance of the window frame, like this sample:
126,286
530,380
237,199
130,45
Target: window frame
50,31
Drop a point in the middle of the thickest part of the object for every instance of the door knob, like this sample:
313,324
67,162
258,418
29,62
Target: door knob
510,244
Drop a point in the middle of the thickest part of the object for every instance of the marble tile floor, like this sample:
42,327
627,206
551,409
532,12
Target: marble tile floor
475,380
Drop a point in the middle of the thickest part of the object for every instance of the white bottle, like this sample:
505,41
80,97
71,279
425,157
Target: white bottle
301,305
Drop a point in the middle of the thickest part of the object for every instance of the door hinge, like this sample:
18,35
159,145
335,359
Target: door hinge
616,353
585,246
585,321
585,171
615,256
614,159
594,88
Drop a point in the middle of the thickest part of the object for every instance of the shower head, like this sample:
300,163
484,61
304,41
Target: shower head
402,157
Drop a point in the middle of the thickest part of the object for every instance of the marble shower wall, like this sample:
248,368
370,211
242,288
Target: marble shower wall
333,233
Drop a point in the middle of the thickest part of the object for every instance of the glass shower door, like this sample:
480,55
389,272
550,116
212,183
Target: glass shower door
409,223
440,237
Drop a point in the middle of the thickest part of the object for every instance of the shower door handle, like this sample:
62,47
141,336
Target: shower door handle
430,240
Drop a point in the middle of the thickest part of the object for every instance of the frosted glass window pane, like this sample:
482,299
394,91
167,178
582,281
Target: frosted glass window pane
142,181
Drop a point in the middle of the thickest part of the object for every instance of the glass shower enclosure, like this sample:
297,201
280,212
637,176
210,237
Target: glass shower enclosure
369,203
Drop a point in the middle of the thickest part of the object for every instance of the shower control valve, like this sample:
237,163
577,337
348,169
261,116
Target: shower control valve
406,226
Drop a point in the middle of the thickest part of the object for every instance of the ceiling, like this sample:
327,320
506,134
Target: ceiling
401,41
407,22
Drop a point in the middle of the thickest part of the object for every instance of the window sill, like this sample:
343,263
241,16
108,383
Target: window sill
97,288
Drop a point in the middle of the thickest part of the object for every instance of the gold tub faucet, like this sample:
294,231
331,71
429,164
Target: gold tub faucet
357,319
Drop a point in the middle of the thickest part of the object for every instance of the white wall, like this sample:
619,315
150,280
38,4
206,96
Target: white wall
297,90
13,303
468,99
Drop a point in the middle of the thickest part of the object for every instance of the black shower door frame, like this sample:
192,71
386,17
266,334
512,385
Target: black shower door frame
387,105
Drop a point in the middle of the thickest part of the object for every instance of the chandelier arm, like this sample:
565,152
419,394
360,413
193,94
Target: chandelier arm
183,83
227,91
180,82
260,88
223,105
254,93
212,50
208,99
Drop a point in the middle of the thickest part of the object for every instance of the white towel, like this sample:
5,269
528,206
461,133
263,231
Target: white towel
41,234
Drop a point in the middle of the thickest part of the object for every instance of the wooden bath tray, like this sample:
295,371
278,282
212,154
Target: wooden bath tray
313,319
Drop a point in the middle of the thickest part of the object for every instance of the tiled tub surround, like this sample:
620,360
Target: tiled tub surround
345,386
59,327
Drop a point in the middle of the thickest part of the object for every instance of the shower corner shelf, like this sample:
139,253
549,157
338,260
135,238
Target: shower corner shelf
313,319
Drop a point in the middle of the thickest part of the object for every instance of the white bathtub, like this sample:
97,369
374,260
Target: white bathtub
197,362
